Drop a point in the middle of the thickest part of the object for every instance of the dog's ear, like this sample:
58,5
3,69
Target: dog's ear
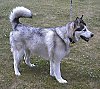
77,18
81,20
81,17
76,22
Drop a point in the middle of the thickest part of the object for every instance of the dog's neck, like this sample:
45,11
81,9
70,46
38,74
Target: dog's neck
70,27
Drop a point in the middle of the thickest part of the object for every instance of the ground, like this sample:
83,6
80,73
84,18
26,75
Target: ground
81,68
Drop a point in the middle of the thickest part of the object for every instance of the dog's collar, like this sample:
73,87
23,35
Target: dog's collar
71,40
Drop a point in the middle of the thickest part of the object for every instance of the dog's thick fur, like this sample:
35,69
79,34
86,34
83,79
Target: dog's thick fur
50,43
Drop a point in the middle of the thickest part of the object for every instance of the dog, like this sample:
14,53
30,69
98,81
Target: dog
52,44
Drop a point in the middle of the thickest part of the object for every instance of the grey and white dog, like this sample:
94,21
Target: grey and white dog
49,43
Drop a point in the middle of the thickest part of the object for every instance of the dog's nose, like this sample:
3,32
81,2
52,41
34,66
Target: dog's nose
92,35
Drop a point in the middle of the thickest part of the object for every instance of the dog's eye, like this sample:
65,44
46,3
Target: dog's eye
84,30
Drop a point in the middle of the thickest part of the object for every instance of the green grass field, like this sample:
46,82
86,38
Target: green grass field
81,68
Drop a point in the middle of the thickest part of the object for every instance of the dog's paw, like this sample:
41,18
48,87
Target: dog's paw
52,74
32,65
62,81
17,73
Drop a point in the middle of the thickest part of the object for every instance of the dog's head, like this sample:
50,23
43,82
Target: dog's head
81,30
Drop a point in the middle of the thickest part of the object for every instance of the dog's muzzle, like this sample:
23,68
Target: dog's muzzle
85,38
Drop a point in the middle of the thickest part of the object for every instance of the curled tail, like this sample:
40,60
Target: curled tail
19,12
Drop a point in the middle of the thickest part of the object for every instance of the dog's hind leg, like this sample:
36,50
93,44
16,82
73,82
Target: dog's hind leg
17,55
27,58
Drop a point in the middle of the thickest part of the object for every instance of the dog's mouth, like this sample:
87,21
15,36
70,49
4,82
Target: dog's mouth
84,38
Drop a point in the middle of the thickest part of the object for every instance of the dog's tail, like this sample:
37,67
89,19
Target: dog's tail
19,12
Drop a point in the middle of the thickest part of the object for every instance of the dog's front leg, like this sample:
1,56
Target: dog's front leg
52,68
57,72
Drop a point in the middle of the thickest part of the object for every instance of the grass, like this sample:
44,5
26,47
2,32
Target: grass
81,68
